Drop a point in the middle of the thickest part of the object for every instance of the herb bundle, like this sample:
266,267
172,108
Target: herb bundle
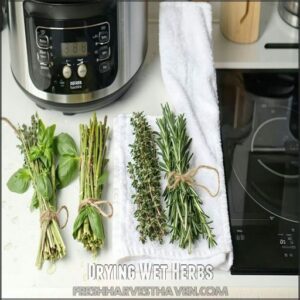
37,147
185,214
145,175
88,226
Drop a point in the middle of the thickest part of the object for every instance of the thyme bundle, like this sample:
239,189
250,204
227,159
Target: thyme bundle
145,175
187,219
39,168
88,226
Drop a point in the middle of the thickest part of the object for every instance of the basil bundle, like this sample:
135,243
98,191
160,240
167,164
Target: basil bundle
38,144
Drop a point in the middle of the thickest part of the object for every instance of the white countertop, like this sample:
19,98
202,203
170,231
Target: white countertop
20,231
250,56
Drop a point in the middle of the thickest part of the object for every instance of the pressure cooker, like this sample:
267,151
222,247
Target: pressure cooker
76,55
289,12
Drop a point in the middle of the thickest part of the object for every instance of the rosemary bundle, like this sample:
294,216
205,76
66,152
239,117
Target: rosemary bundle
88,226
37,147
145,175
186,217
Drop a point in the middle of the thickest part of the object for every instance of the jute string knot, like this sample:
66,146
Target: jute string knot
175,178
49,215
96,203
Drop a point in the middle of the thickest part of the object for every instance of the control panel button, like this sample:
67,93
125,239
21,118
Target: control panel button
104,67
104,37
104,52
104,34
43,41
43,57
104,27
82,70
67,72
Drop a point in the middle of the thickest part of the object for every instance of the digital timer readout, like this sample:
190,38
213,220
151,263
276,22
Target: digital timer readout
77,49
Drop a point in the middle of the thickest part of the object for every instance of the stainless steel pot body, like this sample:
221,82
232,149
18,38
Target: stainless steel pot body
132,46
292,6
289,12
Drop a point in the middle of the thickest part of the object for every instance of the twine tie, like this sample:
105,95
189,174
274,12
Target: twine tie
96,203
48,215
175,178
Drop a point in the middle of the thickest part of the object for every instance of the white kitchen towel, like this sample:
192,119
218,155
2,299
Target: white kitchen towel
189,77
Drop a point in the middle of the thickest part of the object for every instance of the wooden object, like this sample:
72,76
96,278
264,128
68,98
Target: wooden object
240,20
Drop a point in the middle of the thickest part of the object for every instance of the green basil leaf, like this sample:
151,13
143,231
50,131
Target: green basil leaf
67,170
79,221
46,138
46,158
41,131
41,127
96,223
19,181
103,178
45,135
35,153
34,202
65,145
48,154
49,136
44,187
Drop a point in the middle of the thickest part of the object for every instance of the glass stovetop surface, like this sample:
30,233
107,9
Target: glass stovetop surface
260,139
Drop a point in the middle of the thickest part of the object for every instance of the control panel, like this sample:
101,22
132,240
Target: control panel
269,248
287,241
73,58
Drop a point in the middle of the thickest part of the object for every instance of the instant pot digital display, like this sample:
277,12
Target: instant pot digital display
77,49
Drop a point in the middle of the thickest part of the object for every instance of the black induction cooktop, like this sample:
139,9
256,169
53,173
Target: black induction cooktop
260,140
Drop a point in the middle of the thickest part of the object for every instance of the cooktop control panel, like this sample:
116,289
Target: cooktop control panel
72,57
279,255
